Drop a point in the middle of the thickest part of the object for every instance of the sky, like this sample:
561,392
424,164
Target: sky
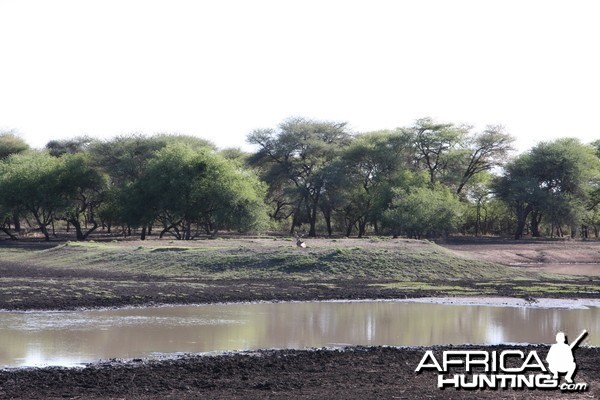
220,69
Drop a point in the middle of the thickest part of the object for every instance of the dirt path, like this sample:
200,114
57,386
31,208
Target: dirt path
567,269
562,257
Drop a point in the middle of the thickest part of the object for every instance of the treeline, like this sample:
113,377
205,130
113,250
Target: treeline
178,184
317,177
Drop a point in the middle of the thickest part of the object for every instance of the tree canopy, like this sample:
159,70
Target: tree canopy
307,176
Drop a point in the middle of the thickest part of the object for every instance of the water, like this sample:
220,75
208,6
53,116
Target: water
72,338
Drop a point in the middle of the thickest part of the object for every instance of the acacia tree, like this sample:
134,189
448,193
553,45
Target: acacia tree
58,148
422,211
437,146
453,155
484,151
11,144
5,215
32,181
300,151
84,189
183,187
124,160
372,165
551,180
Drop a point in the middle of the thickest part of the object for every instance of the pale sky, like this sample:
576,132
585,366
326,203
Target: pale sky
219,69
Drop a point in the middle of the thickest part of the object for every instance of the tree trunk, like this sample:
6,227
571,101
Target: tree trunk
12,237
362,227
313,217
143,235
294,222
17,222
44,230
478,219
79,231
327,216
188,230
521,221
349,229
536,218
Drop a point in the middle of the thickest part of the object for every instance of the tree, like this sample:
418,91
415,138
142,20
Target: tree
486,150
436,145
11,144
84,188
300,153
32,181
124,160
453,155
183,187
372,165
551,180
423,211
58,148
5,215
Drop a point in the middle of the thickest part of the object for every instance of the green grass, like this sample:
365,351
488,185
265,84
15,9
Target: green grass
176,270
423,263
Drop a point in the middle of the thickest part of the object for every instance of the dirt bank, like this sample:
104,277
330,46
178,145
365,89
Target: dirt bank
357,373
527,252
71,275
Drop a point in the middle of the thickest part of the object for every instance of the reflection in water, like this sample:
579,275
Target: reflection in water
68,338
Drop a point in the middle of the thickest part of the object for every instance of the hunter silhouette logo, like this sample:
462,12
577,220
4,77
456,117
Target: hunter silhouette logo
498,370
560,357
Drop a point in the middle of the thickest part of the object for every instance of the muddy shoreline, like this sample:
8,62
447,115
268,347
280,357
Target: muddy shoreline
47,289
351,373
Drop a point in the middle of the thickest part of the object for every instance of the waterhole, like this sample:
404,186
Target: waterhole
76,337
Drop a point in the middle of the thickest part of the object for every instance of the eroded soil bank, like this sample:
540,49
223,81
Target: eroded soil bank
356,373
66,275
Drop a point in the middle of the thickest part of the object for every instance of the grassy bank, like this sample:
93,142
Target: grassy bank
65,275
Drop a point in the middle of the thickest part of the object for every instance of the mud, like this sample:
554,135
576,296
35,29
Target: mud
354,373
140,290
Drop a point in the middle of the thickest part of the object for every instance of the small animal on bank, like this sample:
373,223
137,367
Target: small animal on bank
299,241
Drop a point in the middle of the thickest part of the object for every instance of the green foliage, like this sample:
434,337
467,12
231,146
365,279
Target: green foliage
183,186
428,179
297,161
425,212
124,158
11,144
437,146
554,180
32,181
84,190
58,148
371,166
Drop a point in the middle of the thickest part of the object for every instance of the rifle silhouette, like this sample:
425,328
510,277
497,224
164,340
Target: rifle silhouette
579,339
